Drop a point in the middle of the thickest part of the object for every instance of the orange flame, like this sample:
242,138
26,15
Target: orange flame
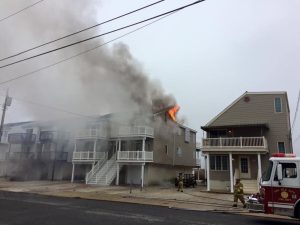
173,111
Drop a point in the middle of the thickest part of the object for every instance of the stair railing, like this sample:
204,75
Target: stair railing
105,168
95,169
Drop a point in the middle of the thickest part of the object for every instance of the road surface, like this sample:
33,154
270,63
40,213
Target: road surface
31,209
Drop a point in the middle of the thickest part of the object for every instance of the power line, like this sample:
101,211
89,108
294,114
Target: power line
27,7
50,107
296,112
83,52
100,35
80,31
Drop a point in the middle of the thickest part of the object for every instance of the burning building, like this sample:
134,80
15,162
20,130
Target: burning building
143,149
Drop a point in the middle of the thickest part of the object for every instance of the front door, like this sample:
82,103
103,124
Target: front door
245,167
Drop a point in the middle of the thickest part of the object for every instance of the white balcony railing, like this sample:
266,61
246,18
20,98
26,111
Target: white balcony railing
135,131
92,133
88,156
235,142
135,156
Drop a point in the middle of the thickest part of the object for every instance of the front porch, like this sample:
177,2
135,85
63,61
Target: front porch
228,159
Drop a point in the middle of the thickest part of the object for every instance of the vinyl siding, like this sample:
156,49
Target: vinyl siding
260,110
165,136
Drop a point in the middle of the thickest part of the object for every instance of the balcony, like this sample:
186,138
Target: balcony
52,155
91,134
21,138
134,156
235,144
20,155
48,136
88,157
198,162
136,131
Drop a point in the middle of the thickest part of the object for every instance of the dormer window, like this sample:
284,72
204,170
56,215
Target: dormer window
278,105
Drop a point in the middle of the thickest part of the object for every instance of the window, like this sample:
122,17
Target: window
187,135
278,106
193,137
289,170
179,151
266,176
219,162
244,165
281,148
166,149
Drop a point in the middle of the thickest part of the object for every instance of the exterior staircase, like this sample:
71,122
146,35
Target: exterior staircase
104,174
250,186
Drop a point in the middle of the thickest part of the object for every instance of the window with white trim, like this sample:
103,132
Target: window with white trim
278,105
281,147
187,135
219,162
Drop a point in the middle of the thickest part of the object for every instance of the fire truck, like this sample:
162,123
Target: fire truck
279,187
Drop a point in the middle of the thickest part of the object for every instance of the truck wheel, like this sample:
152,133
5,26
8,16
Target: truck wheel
297,211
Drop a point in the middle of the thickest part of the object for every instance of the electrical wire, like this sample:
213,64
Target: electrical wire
100,35
82,30
82,53
27,7
50,107
64,110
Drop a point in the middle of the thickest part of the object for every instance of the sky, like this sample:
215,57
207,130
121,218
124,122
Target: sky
205,56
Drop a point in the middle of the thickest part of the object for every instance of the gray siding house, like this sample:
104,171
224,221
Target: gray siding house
240,140
150,153
111,149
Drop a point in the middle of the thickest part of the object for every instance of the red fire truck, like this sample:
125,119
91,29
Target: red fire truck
279,187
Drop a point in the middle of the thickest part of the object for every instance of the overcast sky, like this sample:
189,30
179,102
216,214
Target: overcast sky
206,56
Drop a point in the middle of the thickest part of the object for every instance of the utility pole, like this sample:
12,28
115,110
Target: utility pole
7,102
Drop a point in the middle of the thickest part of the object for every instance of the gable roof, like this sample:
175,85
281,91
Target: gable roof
243,95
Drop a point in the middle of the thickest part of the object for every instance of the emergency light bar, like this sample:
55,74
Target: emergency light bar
283,155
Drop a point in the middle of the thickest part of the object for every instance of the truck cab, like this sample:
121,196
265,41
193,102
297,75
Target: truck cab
280,187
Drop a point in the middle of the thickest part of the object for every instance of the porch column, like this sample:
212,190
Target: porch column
207,171
75,146
95,146
231,172
73,170
142,175
143,149
118,171
119,147
259,166
144,142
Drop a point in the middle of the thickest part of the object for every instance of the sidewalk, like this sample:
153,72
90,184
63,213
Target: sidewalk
191,199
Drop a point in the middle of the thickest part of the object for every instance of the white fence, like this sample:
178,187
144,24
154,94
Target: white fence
90,133
88,156
238,142
128,131
135,156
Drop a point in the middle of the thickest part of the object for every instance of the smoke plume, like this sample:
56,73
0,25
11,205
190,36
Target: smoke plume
106,80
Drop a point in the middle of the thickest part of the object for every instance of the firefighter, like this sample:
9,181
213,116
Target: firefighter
180,182
238,193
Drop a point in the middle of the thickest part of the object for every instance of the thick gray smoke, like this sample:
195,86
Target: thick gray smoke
106,80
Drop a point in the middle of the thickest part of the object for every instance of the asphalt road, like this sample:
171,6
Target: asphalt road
30,209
